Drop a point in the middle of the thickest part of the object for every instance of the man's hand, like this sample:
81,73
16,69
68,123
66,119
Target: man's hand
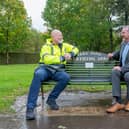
110,55
117,68
67,56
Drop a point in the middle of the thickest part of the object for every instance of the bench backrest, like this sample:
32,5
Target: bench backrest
90,72
90,68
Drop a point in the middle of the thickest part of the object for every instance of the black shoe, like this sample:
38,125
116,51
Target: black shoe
52,104
30,114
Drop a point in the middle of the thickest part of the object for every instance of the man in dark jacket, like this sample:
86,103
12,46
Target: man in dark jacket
120,72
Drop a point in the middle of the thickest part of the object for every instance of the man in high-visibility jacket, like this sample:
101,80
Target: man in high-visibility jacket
53,57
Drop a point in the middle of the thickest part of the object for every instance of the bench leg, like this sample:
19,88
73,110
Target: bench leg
42,95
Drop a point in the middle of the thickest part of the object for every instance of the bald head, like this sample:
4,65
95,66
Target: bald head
54,32
56,36
125,33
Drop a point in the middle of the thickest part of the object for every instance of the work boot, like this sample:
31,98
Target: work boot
52,104
30,114
127,107
116,107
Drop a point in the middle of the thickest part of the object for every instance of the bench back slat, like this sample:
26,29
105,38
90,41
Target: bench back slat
97,72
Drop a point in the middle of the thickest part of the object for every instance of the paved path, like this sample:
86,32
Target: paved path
119,120
80,110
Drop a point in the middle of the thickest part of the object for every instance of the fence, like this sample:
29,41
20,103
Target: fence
20,58
31,58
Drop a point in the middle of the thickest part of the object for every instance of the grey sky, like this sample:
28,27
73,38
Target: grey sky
34,9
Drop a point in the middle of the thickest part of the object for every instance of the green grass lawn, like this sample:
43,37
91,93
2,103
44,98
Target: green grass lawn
15,81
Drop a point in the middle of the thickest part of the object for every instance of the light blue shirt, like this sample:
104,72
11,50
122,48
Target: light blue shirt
124,54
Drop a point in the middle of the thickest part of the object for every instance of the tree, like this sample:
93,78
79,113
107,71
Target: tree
83,22
34,41
120,10
88,23
14,25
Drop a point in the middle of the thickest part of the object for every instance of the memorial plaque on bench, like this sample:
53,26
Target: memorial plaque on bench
89,65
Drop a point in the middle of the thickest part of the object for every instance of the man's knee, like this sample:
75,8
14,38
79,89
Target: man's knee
115,72
40,74
65,77
126,77
68,77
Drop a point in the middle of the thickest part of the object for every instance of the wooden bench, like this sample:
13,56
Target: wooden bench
87,72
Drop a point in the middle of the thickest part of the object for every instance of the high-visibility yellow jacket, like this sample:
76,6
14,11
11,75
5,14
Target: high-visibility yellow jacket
52,53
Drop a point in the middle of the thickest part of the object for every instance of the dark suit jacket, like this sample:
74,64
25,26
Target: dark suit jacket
118,56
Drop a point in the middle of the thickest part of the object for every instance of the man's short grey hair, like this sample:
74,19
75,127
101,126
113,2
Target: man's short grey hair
127,26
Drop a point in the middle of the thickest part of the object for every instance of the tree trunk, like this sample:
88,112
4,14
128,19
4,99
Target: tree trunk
111,38
7,48
7,57
126,17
